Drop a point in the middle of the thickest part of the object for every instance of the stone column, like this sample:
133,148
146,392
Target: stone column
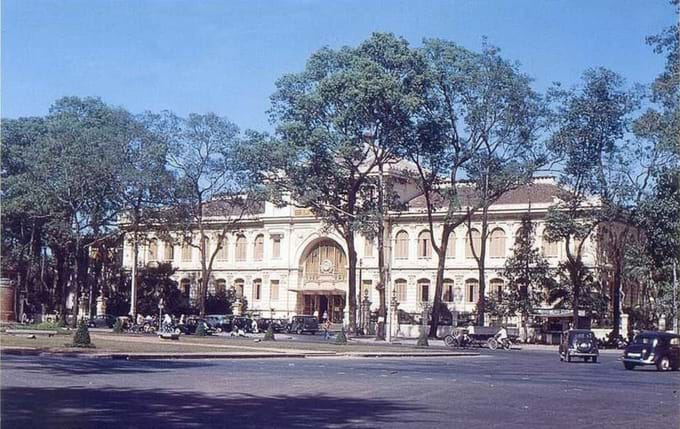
394,317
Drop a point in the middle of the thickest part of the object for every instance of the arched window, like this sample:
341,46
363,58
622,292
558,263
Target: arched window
153,250
476,242
401,247
451,246
497,243
238,286
257,289
496,289
448,290
400,290
258,249
423,290
549,247
471,290
241,248
223,253
169,252
424,245
186,252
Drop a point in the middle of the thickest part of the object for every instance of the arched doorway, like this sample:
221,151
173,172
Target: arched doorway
323,273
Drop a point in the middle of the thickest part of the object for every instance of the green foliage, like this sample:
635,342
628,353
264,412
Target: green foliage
528,275
200,330
269,334
118,326
81,338
340,337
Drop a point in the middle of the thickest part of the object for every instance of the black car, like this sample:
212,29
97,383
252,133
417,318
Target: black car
242,323
102,321
661,349
278,325
302,324
190,326
220,322
580,343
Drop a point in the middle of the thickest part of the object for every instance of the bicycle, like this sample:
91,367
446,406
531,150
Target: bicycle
494,343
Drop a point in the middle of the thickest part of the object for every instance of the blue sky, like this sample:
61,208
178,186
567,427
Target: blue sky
224,56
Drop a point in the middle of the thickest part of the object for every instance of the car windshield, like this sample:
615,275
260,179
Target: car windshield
644,340
582,336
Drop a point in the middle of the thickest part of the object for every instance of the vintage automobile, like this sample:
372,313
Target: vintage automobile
579,343
220,322
102,321
661,349
191,324
302,324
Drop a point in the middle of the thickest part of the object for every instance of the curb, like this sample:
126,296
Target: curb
179,356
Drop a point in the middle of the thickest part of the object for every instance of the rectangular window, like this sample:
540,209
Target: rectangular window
368,248
257,290
448,292
223,253
400,290
274,293
276,246
186,253
424,292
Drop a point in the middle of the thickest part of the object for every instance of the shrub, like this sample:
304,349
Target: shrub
341,338
269,334
200,330
118,327
82,336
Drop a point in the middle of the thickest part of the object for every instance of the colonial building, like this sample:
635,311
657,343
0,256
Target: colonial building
284,262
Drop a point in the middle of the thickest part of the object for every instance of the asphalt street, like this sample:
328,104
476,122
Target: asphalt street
502,389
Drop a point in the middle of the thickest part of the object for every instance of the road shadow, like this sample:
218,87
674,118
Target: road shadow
70,366
27,407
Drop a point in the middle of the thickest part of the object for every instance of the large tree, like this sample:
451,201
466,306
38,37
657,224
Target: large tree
479,121
215,187
590,123
342,120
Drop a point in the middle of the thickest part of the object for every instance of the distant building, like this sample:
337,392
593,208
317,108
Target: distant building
284,262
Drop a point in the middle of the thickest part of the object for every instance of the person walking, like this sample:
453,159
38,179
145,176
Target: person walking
326,329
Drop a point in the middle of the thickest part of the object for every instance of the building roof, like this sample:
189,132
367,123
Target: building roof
535,193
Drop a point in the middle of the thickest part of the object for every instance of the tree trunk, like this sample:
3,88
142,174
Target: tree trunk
576,284
481,266
616,303
351,281
133,280
439,287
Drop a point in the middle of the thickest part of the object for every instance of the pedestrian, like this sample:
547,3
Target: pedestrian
326,329
325,316
254,326
140,319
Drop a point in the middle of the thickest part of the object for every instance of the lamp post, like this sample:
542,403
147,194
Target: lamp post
160,314
358,306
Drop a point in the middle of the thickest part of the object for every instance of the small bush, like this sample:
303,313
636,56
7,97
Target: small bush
118,327
61,323
269,334
200,330
82,336
341,338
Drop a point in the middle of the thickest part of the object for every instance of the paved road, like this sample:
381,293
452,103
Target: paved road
503,389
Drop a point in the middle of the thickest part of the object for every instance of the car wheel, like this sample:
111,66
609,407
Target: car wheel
594,359
449,341
299,331
492,343
629,366
663,364
568,358
177,331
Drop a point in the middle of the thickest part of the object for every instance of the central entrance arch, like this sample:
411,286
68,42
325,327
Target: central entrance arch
323,274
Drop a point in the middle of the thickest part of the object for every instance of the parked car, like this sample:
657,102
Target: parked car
242,322
302,324
580,343
278,325
220,322
661,349
102,321
189,327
